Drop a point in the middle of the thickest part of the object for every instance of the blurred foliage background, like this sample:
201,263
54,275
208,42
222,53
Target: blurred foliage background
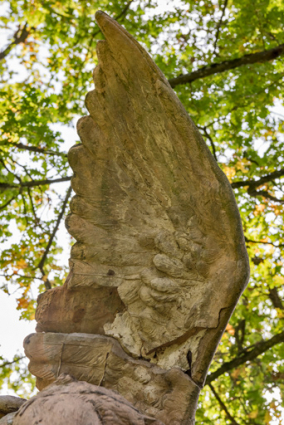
225,59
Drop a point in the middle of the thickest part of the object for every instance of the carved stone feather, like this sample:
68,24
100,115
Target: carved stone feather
160,259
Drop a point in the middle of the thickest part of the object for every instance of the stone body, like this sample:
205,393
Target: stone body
10,404
8,419
160,258
99,360
68,401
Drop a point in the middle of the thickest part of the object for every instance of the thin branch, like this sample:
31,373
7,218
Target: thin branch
265,194
124,11
10,172
59,218
35,149
45,279
275,298
116,18
36,219
25,210
266,243
248,355
240,335
207,135
2,207
16,360
223,406
253,184
217,68
219,26
33,183
51,10
256,183
21,276
20,36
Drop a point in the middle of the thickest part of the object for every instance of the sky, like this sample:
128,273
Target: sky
12,329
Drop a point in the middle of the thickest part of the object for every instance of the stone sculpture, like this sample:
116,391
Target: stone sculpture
69,401
9,405
160,259
99,360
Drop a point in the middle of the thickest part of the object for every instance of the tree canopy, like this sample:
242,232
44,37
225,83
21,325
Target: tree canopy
225,61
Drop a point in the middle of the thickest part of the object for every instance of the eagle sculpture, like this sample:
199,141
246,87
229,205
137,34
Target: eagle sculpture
160,259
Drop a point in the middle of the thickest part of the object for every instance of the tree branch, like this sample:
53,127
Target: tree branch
223,406
120,15
16,360
219,26
253,184
266,243
259,348
276,300
207,135
2,207
217,68
33,183
21,276
265,194
59,218
256,183
20,36
240,334
36,149
51,10
124,11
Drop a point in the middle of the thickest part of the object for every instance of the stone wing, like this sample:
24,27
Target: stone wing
158,231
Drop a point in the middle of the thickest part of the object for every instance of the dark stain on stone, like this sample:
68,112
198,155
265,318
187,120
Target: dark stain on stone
78,315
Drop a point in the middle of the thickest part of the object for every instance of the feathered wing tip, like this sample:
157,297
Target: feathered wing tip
154,217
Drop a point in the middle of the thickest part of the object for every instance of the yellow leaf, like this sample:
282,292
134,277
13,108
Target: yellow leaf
278,209
279,280
253,414
235,374
280,313
230,172
259,209
22,264
267,417
32,316
241,165
54,267
22,303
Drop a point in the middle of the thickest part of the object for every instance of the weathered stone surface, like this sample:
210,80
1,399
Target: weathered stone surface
160,258
8,419
154,217
164,394
77,310
78,403
9,404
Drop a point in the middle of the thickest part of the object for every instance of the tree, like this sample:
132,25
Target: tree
224,61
